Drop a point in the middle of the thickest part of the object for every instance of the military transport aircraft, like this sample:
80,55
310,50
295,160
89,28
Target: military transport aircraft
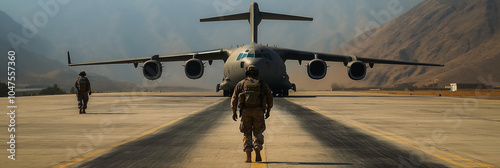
269,60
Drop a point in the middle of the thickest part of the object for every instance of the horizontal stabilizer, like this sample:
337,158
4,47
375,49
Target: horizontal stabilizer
254,17
240,16
275,16
264,15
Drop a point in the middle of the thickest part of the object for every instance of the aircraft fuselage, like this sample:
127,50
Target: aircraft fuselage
271,67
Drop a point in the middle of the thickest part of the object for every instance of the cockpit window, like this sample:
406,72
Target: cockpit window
258,54
268,56
241,56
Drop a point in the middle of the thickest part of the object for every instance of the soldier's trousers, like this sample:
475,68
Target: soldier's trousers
83,99
252,121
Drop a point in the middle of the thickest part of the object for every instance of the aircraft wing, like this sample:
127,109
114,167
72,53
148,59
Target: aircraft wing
289,54
219,54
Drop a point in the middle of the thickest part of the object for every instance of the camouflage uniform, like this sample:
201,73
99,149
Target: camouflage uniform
252,119
83,94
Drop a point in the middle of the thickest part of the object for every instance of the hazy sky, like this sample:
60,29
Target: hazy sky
95,30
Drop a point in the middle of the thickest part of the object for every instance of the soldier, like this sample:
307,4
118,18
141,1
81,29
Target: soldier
82,85
254,97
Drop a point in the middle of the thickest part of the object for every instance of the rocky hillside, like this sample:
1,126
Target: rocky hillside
34,70
463,33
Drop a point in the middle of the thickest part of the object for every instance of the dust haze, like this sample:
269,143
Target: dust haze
105,30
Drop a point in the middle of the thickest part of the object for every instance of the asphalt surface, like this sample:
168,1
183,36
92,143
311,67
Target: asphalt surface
170,147
353,147
167,147
307,129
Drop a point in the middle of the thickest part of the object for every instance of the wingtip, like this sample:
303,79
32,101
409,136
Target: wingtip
69,59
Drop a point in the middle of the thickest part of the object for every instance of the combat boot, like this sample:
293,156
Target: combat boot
81,111
258,158
249,157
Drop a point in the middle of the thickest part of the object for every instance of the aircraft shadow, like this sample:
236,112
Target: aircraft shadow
360,148
109,113
311,96
309,163
138,95
301,97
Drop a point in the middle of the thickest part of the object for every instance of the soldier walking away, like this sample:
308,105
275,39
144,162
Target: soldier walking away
82,85
254,98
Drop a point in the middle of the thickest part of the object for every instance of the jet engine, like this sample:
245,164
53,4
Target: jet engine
194,68
316,69
356,70
152,69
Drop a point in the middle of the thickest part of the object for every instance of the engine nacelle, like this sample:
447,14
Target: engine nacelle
152,69
316,69
356,70
194,68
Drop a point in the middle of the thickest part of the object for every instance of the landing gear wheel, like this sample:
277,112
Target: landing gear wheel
228,93
280,93
276,93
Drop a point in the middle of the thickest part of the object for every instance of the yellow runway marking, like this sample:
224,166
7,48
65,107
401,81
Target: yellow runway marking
105,149
260,164
433,151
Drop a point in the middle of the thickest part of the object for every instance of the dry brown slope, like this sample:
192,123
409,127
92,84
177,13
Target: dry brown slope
463,32
34,70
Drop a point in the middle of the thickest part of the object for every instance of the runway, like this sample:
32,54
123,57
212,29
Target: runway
313,129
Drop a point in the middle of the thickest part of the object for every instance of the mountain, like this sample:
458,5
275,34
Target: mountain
14,37
96,30
34,70
464,33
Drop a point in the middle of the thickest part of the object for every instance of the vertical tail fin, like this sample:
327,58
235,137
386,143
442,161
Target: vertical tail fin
254,17
69,59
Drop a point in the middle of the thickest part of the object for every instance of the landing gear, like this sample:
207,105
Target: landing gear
280,93
294,87
228,93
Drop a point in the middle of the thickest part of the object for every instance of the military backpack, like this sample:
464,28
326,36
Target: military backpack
83,84
252,95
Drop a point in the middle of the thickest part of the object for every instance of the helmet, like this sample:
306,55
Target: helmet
82,73
252,71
